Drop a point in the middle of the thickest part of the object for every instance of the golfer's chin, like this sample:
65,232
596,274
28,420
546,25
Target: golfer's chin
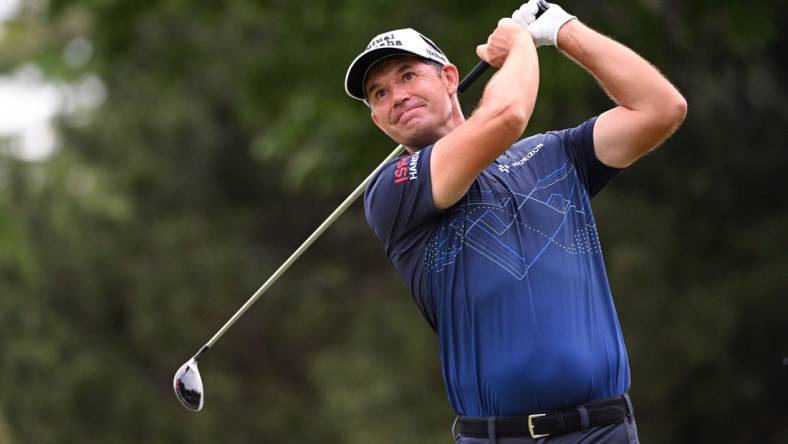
416,136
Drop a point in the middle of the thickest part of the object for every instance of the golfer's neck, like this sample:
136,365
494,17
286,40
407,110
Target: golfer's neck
457,119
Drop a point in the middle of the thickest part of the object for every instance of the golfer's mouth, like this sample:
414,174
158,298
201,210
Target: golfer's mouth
405,116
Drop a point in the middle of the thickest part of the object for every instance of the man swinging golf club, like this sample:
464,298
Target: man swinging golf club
495,237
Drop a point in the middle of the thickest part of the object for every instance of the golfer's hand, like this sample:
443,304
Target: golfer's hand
544,29
507,36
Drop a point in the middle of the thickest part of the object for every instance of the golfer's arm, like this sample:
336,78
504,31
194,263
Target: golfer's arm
503,113
649,108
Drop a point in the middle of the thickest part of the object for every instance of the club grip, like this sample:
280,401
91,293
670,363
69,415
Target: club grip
482,66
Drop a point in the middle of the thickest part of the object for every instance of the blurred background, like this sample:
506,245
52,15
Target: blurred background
159,159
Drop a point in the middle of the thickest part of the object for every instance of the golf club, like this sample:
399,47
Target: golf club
187,381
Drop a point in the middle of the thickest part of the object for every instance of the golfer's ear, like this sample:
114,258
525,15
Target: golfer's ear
451,76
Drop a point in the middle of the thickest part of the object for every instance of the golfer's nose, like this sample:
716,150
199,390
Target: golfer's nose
399,93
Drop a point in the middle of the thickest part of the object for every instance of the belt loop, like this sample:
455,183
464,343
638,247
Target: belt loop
454,434
630,410
491,430
561,423
584,422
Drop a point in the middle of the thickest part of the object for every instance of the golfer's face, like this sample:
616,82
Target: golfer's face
410,101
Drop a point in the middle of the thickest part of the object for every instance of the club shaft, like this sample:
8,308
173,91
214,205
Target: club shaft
311,239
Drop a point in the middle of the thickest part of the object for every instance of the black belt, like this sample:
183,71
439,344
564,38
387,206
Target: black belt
600,413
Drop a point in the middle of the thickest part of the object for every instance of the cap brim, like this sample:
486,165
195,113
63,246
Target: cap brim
357,73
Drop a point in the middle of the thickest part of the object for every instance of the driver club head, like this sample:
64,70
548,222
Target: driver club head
188,386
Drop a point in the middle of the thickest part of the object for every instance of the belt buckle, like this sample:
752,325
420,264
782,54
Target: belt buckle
531,426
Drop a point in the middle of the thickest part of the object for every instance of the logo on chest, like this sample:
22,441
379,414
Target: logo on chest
506,168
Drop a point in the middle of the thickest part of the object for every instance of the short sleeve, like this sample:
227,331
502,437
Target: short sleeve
399,200
578,143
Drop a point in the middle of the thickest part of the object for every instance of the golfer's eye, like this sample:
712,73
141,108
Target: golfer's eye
408,76
379,93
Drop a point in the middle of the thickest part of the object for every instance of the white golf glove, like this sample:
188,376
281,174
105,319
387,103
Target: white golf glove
544,30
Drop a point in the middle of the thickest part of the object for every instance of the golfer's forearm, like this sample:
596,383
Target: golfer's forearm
511,93
629,79
507,103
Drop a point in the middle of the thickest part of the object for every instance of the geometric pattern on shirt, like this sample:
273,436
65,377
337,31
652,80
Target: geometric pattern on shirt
481,221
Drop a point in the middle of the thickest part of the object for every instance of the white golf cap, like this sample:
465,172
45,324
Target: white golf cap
399,41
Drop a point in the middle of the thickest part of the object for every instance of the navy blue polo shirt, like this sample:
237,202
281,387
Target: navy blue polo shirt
511,277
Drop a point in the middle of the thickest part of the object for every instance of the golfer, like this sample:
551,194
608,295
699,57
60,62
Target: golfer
495,237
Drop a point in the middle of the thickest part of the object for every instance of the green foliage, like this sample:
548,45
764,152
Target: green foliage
226,138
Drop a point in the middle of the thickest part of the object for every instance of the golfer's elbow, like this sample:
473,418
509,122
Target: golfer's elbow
670,112
680,107
675,110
